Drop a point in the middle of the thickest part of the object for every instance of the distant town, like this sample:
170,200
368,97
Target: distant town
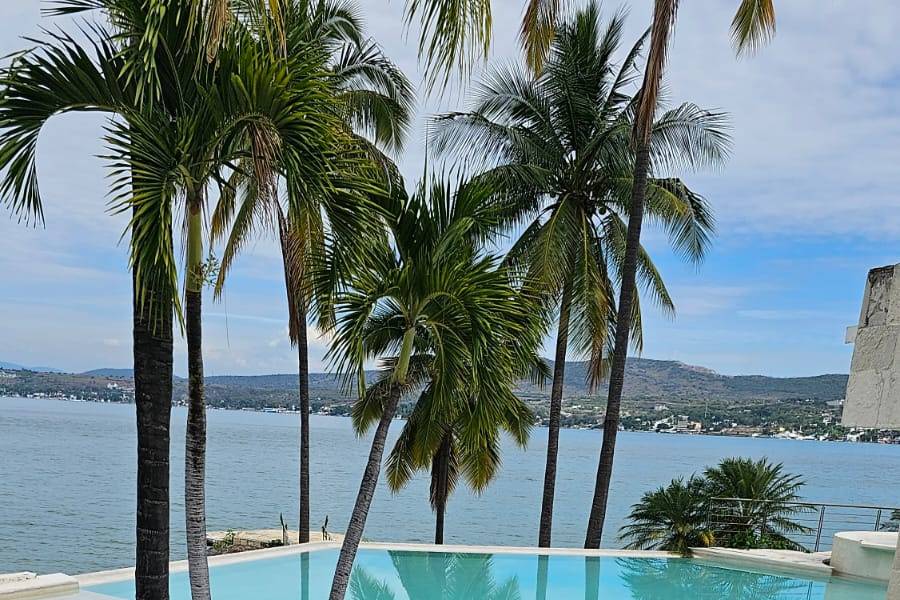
666,402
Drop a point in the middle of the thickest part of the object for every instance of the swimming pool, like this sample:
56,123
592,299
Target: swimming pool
413,575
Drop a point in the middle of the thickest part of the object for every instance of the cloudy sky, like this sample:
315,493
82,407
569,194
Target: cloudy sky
806,205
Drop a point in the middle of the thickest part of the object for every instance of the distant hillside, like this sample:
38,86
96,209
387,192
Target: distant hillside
645,379
16,367
122,373
667,379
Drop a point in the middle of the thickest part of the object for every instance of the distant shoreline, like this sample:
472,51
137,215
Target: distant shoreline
285,411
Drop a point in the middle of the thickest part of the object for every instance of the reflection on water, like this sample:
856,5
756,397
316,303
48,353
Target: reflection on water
664,579
406,575
436,576
667,579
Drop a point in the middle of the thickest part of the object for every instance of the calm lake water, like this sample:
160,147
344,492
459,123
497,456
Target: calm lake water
67,478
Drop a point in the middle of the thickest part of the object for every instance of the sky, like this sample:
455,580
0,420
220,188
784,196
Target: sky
807,203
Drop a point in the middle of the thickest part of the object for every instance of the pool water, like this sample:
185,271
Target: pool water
407,575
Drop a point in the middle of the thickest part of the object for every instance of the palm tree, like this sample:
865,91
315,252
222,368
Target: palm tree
372,98
238,108
737,503
57,76
753,24
560,146
768,502
167,145
431,290
444,442
671,518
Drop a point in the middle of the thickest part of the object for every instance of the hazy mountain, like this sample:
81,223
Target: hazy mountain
644,379
16,367
647,378
123,373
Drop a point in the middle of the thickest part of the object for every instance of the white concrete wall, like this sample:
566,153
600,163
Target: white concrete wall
894,587
866,554
873,391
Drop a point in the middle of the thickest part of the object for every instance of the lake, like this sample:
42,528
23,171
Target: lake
67,478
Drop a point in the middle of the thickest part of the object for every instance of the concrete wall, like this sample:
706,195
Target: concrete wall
873,391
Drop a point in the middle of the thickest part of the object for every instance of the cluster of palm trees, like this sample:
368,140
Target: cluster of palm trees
702,510
245,117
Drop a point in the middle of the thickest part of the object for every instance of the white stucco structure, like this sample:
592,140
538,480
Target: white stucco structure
873,391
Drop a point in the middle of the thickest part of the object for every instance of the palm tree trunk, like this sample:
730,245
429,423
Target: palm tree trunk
363,499
303,370
664,13
195,435
559,374
297,315
440,484
620,353
152,332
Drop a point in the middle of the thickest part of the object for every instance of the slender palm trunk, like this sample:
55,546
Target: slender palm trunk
440,484
559,375
195,435
363,499
370,475
152,331
620,353
303,370
297,308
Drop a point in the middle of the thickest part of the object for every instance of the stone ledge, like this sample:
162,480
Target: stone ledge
41,586
781,561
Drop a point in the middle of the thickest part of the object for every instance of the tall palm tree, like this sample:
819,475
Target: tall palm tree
373,99
166,146
60,75
430,290
753,24
242,107
671,518
559,148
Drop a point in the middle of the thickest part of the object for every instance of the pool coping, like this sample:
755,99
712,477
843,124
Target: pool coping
123,574
768,562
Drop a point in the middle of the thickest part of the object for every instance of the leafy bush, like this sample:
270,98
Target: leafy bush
686,514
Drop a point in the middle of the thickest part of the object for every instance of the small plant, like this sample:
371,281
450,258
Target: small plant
225,543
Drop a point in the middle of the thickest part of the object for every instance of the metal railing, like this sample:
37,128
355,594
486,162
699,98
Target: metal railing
807,526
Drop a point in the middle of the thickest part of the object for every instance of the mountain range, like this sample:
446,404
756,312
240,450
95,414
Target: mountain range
645,379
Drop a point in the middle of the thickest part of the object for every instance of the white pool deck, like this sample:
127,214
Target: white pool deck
767,561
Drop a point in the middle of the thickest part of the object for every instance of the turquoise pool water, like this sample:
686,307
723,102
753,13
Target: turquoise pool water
405,575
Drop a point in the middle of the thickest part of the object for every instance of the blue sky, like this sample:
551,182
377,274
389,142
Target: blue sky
806,205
